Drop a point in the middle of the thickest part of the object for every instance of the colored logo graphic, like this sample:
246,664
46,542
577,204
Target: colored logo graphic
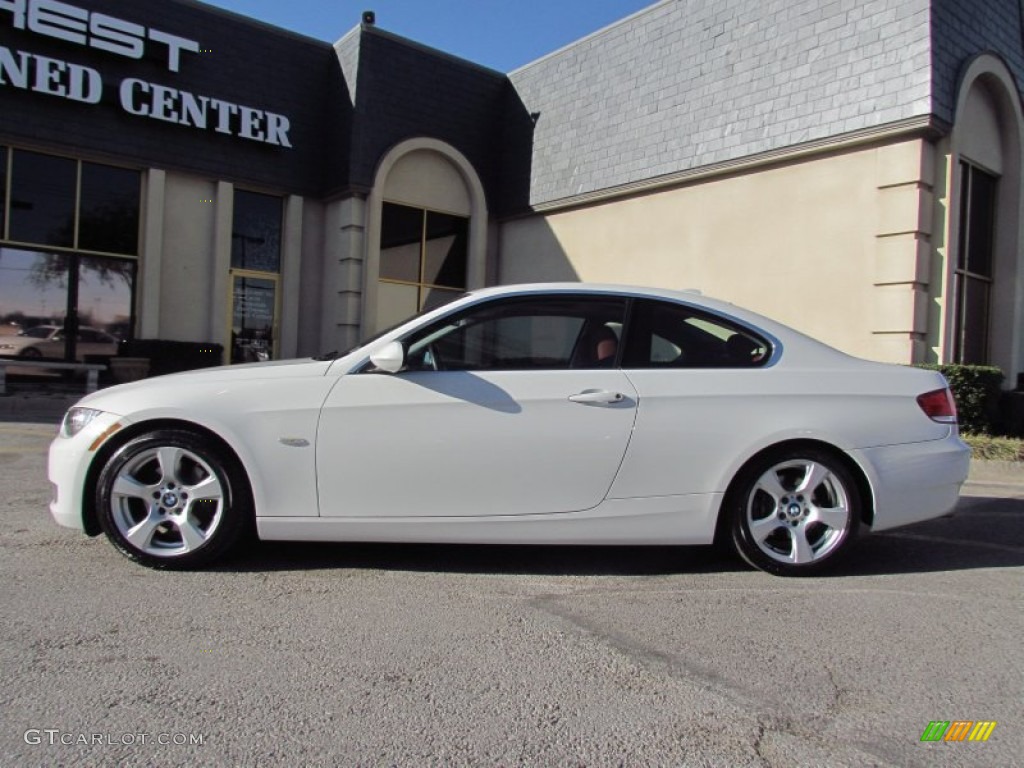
958,730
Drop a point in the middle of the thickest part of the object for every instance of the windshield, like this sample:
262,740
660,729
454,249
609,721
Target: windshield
380,334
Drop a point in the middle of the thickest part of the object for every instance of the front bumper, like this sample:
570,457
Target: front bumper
915,481
68,466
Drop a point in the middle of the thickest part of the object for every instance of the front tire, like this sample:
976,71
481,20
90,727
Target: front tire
794,512
173,499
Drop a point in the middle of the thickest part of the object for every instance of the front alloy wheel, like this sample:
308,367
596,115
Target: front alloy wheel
171,499
795,512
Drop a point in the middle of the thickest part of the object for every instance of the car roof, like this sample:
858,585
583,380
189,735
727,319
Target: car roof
689,296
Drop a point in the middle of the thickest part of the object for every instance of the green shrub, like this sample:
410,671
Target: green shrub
991,448
976,389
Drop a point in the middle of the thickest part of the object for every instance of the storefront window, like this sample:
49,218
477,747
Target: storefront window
33,288
105,295
253,309
973,280
43,194
3,192
62,305
256,232
423,258
255,263
109,209
81,303
42,204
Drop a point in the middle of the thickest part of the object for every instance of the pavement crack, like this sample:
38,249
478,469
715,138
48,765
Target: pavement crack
758,742
669,664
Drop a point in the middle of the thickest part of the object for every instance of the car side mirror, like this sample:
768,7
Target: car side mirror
390,358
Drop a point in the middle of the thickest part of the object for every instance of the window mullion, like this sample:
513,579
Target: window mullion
5,214
78,204
423,263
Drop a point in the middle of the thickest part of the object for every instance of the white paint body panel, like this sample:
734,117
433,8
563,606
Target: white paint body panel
461,443
335,454
710,421
651,521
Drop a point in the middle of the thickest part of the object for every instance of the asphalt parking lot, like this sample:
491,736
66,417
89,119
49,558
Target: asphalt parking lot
355,655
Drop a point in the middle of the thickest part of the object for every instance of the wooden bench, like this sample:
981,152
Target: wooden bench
92,370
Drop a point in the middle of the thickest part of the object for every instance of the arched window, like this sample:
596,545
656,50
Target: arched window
427,230
984,318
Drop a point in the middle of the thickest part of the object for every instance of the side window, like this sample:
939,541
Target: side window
664,335
522,334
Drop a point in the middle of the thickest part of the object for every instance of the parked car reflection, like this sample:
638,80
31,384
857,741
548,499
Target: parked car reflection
49,341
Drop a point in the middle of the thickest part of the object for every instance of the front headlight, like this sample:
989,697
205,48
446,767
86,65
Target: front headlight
77,419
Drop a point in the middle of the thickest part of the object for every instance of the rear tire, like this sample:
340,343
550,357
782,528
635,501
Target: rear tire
173,499
794,512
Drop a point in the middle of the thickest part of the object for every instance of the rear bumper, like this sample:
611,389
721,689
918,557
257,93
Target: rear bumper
916,481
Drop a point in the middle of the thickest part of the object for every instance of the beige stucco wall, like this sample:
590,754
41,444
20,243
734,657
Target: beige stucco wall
190,206
837,246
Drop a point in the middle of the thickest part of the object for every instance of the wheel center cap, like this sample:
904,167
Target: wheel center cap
170,499
794,511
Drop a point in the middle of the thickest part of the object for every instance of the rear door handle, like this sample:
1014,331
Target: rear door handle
597,397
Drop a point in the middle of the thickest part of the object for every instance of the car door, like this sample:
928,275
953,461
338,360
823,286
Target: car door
501,410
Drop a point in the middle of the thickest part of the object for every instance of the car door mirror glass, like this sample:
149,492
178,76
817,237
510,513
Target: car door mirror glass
388,359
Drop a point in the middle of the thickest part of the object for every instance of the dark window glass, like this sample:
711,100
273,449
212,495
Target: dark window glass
401,241
974,300
445,250
42,204
980,227
108,215
976,248
423,257
663,335
256,232
542,333
3,191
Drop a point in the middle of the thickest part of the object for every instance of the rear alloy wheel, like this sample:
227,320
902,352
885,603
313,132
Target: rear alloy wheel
794,512
172,499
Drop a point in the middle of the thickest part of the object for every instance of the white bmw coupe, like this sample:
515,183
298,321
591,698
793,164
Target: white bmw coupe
535,414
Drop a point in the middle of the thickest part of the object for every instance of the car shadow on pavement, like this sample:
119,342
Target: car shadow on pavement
482,559
982,533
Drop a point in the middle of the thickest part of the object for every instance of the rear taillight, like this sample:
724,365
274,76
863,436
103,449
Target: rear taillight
938,406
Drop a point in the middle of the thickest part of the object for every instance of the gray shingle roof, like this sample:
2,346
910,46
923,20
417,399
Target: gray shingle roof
692,83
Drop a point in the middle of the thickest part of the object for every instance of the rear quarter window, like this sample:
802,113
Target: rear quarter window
665,335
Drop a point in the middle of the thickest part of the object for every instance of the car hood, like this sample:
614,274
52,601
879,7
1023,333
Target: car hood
182,388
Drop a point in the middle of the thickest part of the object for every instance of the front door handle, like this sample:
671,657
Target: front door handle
597,397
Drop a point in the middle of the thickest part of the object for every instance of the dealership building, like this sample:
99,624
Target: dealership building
849,167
